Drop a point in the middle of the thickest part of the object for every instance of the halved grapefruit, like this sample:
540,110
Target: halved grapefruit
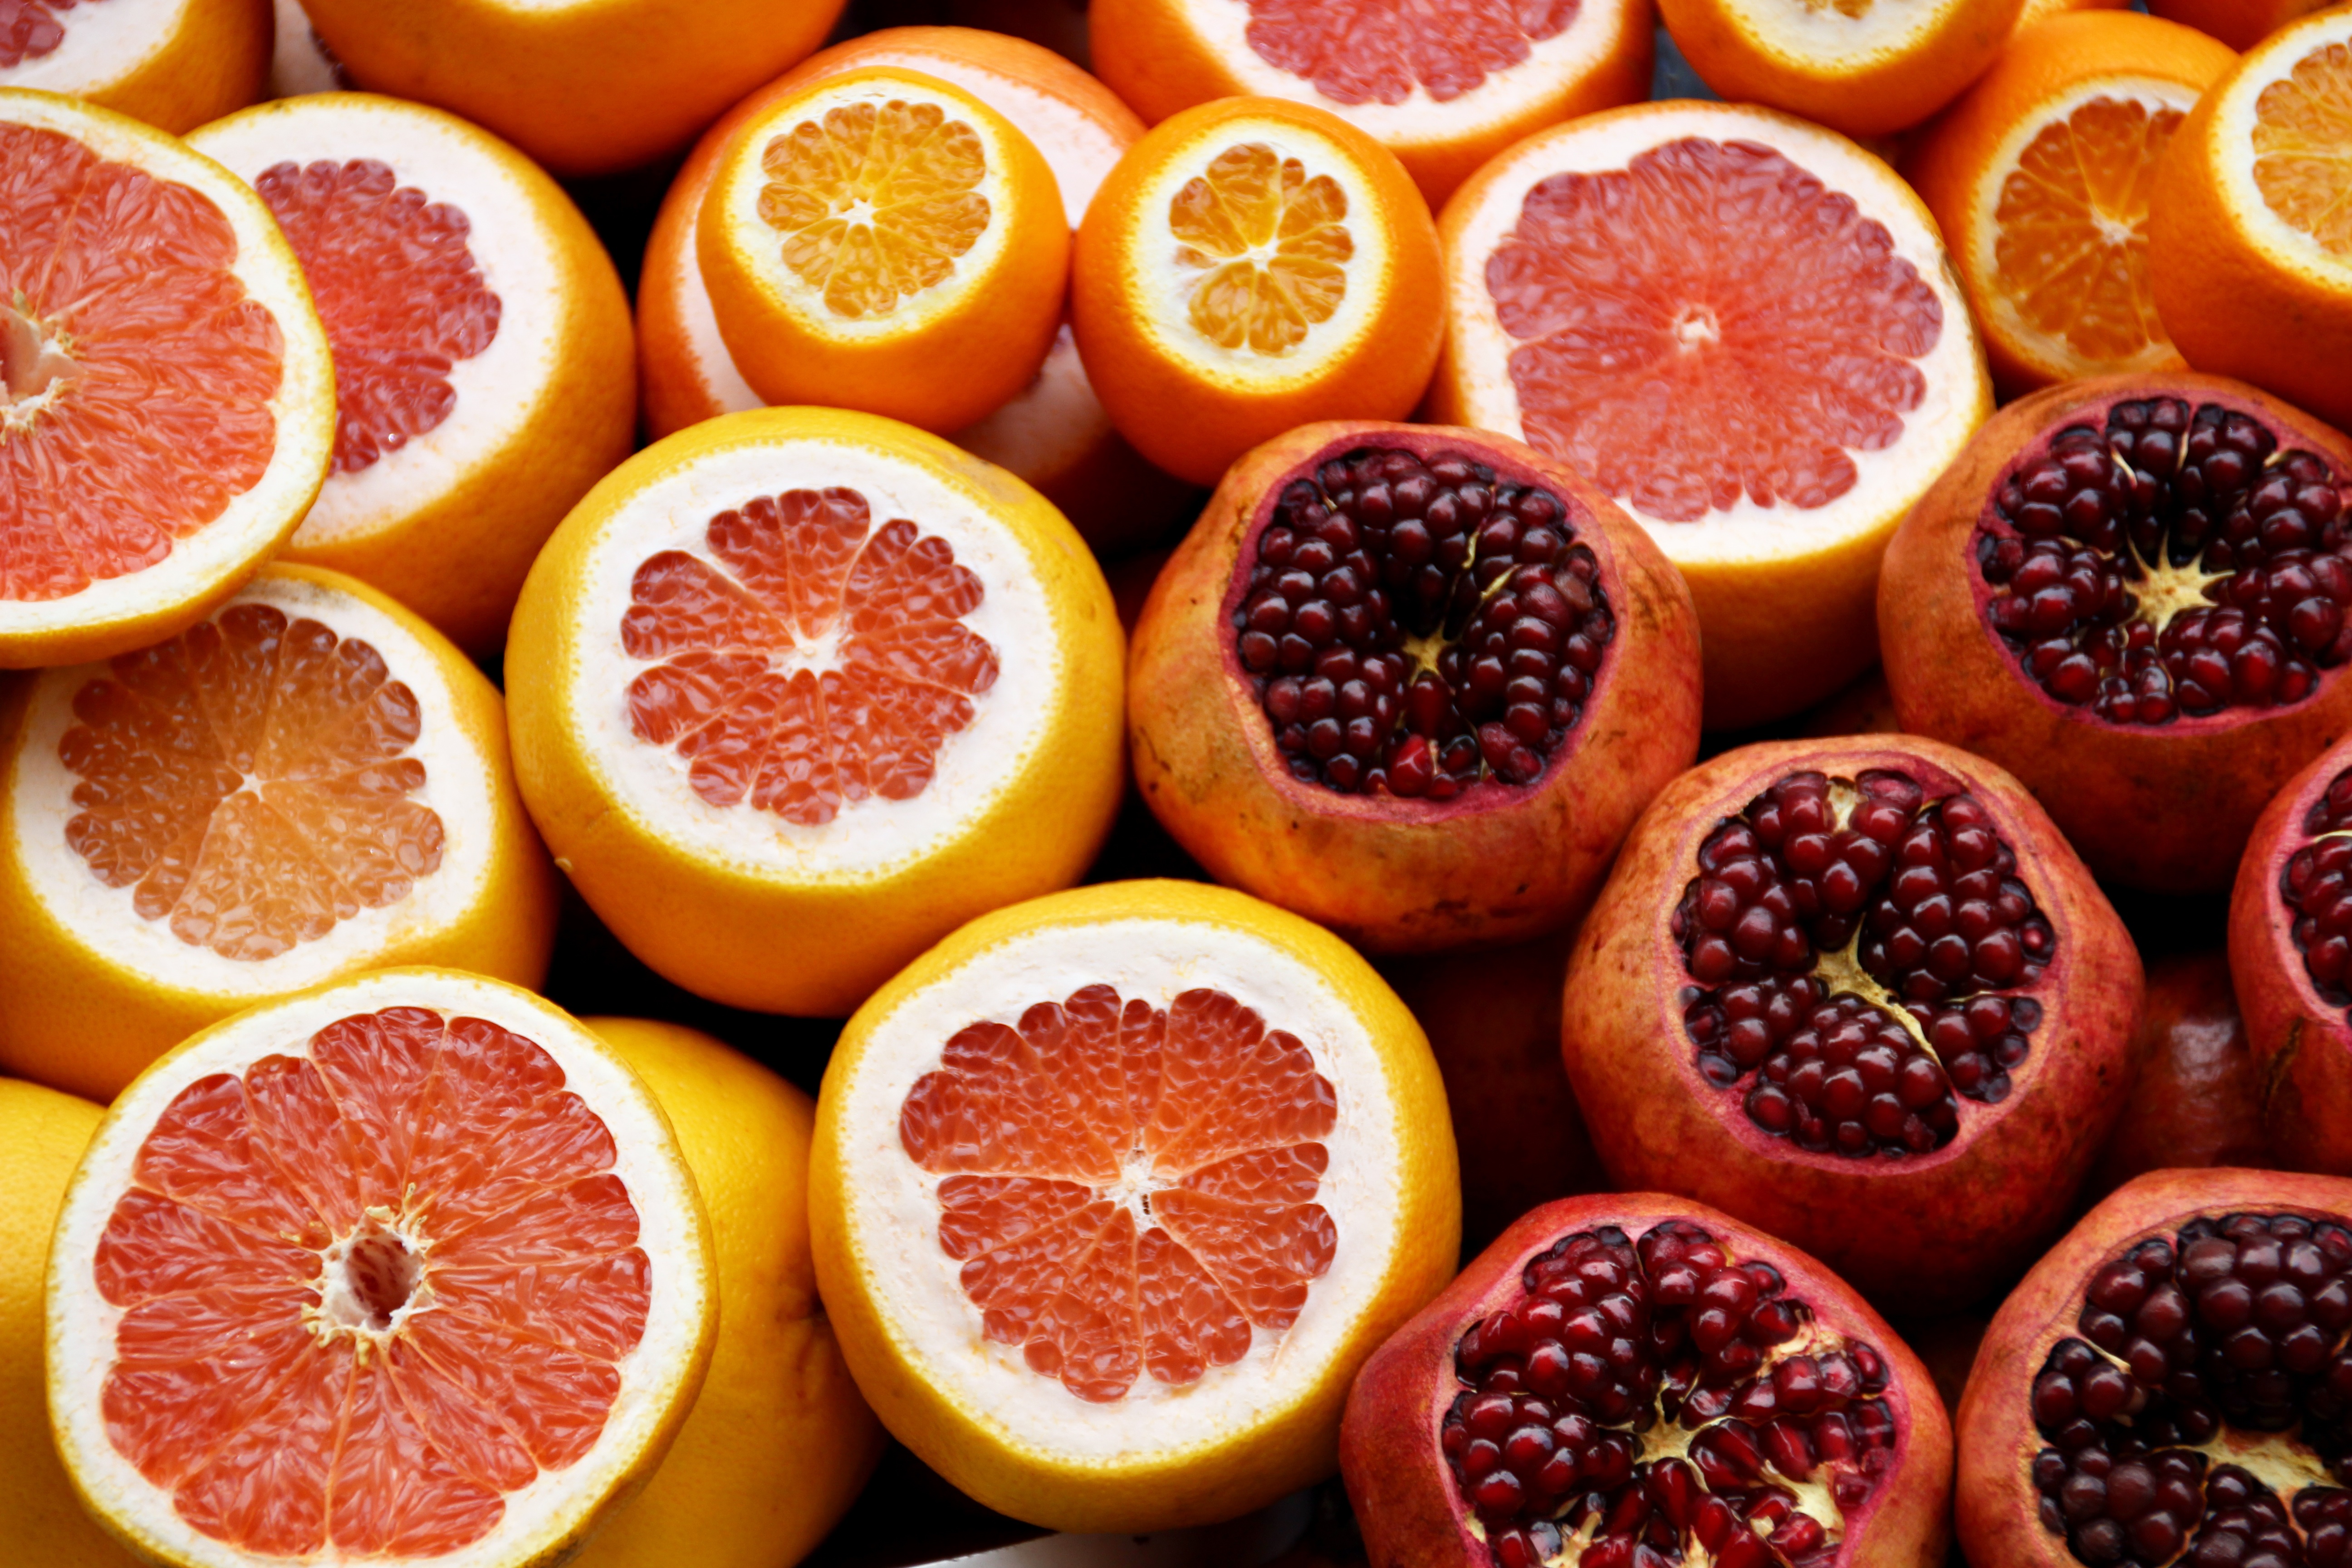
311,783
1744,329
167,401
403,1268
172,63
1113,1191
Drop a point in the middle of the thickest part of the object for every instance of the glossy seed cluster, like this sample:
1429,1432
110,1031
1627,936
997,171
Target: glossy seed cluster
2316,888
2174,562
1924,898
1414,627
1651,1396
2232,1329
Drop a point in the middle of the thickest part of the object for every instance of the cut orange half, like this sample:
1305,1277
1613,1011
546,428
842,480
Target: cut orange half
2039,177
1113,1191
404,1268
484,368
166,394
797,691
884,240
1251,266
1745,329
172,63
311,783
2250,224
1445,85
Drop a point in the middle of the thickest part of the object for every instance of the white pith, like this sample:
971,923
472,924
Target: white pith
247,526
892,1217
867,837
81,1322
500,390
2233,129
457,787
106,41
297,64
1818,31
1887,481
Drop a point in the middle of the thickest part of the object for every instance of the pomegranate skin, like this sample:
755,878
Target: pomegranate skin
1500,862
2195,1098
2164,807
1405,1498
1917,1234
1995,1506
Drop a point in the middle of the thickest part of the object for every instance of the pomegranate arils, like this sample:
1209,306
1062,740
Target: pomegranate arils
2236,1322
1850,942
1413,626
1663,1403
2174,562
2316,887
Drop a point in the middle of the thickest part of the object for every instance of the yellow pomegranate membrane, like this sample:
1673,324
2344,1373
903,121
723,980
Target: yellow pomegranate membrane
1270,245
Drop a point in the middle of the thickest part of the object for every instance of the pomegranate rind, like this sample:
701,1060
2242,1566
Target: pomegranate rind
1496,864
2166,807
1406,1498
1995,1506
1242,1435
545,1522
172,66
1970,1212
2196,1096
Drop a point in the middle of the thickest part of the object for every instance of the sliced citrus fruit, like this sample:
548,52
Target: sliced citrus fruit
1745,329
1054,432
2039,178
1443,85
1114,1190
2241,24
298,61
311,783
1867,68
884,240
484,357
172,63
780,1440
585,87
797,691
405,1267
2250,222
166,395
1251,266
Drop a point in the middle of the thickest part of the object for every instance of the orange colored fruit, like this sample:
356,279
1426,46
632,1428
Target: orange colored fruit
157,442
797,691
1742,328
484,368
1113,1191
2042,10
1868,67
2241,24
1444,86
404,1268
173,64
1251,266
308,784
2250,222
2039,177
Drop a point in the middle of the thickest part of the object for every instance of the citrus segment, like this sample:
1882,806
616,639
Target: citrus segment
2302,147
1379,51
875,203
31,29
1250,202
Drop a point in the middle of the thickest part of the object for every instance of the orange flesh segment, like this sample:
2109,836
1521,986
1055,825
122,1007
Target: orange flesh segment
1209,1120
248,780
397,285
1273,243
31,28
1377,51
813,661
2071,244
1710,321
2302,147
497,1266
875,203
164,418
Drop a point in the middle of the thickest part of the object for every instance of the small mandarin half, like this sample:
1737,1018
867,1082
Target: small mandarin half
173,64
309,783
1113,1191
404,1268
1768,407
1251,266
484,376
881,240
157,443
797,691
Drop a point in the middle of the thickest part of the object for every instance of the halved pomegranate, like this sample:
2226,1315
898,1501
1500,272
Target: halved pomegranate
2132,593
2171,1384
1413,682
1859,993
2196,1096
1632,1380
